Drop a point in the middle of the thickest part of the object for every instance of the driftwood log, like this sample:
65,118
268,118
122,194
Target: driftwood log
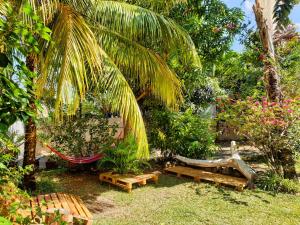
235,162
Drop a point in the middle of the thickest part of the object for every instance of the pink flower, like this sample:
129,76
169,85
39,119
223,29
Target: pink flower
289,111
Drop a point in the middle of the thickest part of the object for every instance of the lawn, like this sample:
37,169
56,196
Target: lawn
174,201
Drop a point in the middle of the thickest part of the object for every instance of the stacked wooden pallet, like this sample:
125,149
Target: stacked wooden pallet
199,175
126,181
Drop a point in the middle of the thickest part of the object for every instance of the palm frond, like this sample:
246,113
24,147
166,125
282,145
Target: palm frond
145,27
124,102
162,6
282,9
45,9
4,6
70,63
143,65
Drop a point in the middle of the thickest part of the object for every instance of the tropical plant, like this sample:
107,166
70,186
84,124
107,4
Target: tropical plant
82,135
281,11
268,22
211,24
106,44
289,61
239,74
183,133
11,197
19,40
122,158
269,126
270,181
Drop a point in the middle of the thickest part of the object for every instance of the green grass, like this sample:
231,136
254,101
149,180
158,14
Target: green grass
175,201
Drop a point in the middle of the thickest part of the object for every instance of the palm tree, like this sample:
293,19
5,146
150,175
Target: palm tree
105,45
272,15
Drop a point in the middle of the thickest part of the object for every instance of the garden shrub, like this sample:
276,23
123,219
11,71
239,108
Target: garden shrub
271,181
123,158
82,135
11,197
183,133
272,127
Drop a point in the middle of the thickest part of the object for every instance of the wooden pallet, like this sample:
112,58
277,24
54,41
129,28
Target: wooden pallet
199,175
126,181
72,206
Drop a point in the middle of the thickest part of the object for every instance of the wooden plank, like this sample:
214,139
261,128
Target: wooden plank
72,207
77,205
35,206
128,180
63,202
204,175
85,209
55,201
42,203
49,201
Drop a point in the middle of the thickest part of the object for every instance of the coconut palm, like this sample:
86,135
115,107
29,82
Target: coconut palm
106,45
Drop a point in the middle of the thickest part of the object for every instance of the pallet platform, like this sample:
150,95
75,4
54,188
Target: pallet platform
199,175
126,181
69,205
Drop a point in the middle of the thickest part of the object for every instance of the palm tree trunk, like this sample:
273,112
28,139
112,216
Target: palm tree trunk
265,23
30,137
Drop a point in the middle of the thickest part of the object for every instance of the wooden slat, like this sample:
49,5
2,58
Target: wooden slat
74,210
34,205
55,201
49,201
76,204
42,203
63,201
87,212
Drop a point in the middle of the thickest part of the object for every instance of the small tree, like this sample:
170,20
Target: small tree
272,127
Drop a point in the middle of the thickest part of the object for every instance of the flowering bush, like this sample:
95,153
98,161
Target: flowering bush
272,127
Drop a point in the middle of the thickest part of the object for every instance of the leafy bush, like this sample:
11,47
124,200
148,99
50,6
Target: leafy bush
272,127
273,182
11,197
185,133
4,221
82,135
122,158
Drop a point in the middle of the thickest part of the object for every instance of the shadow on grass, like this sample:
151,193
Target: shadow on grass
227,196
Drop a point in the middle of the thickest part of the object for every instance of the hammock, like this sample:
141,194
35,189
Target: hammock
76,160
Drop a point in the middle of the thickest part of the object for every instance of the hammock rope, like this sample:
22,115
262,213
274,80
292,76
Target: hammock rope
76,160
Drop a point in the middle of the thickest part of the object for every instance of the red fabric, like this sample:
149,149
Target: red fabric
76,160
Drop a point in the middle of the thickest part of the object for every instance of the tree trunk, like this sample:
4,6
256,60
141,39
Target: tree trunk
288,164
265,23
30,138
272,82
